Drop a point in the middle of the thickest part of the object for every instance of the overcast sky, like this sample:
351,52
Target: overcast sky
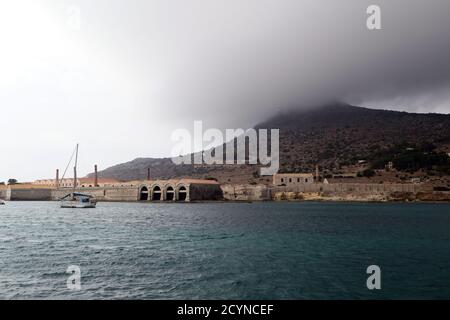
123,76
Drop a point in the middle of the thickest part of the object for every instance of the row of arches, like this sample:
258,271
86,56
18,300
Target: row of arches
155,193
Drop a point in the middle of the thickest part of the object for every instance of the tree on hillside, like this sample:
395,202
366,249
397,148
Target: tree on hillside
12,181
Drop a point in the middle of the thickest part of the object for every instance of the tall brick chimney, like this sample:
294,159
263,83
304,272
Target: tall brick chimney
96,177
148,174
57,179
317,173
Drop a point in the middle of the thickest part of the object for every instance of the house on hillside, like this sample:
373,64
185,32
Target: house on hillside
292,179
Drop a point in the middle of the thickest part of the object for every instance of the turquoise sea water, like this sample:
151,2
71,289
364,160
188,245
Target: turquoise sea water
225,250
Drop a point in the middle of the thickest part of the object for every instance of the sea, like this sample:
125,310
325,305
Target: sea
261,250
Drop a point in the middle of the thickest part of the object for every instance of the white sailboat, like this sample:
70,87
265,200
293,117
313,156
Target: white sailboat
77,200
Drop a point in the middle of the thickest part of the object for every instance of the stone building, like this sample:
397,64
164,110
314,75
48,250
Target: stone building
389,166
292,179
179,190
108,189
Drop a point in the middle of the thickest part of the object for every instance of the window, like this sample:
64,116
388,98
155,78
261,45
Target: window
298,179
306,180
282,179
290,179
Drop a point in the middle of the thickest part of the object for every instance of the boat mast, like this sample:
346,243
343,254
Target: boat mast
75,171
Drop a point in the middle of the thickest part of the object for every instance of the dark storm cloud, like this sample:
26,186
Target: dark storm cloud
143,68
256,58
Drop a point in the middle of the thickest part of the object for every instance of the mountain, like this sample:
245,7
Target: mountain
334,136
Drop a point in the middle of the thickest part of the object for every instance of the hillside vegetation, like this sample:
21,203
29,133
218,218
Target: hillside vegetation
335,137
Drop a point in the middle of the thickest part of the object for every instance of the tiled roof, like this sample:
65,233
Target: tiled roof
177,181
100,180
294,174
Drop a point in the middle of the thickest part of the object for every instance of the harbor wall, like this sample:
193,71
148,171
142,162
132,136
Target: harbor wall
30,194
247,192
338,191
102,193
356,192
355,188
3,193
49,194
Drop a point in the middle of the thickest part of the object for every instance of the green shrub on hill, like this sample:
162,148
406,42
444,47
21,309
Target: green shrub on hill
411,158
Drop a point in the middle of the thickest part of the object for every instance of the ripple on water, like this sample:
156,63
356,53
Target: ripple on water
229,251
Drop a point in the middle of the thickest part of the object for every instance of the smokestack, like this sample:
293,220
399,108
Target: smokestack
57,179
148,174
96,177
317,173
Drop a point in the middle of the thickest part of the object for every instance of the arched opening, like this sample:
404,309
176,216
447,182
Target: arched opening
182,194
156,193
143,194
170,194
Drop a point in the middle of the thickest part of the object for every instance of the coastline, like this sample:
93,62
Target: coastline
317,192
318,200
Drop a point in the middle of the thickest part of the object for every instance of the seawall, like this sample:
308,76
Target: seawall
102,193
246,192
335,192
18,193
